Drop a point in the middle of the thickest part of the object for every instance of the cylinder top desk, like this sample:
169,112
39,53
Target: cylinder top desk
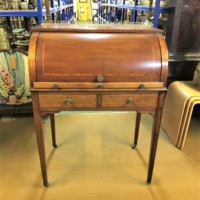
97,68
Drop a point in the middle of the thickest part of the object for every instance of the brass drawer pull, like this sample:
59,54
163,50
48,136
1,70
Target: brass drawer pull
99,86
130,101
142,86
100,77
55,86
68,102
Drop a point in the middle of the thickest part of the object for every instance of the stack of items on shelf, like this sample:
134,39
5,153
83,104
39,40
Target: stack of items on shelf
19,16
56,11
17,4
21,39
132,11
17,27
181,98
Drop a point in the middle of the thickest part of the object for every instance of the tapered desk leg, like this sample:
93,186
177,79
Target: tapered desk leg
40,138
53,131
155,136
137,127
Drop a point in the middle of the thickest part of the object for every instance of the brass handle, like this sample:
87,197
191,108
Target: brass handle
100,77
68,102
99,86
55,86
142,86
130,101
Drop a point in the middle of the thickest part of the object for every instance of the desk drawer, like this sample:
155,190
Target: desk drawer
129,101
66,101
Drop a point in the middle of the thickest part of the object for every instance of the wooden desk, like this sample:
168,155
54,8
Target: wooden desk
75,67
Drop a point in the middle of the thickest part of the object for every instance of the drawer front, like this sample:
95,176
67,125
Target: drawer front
50,101
130,101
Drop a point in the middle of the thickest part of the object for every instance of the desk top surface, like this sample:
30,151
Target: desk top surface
96,28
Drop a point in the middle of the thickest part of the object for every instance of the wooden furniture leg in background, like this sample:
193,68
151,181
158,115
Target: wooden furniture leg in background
40,137
137,127
53,131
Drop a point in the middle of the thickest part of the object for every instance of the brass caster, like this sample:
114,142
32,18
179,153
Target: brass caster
133,146
46,184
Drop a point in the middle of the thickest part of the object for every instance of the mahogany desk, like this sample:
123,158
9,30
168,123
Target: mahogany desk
97,67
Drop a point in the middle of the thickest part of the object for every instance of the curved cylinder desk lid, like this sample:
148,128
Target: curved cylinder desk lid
68,53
